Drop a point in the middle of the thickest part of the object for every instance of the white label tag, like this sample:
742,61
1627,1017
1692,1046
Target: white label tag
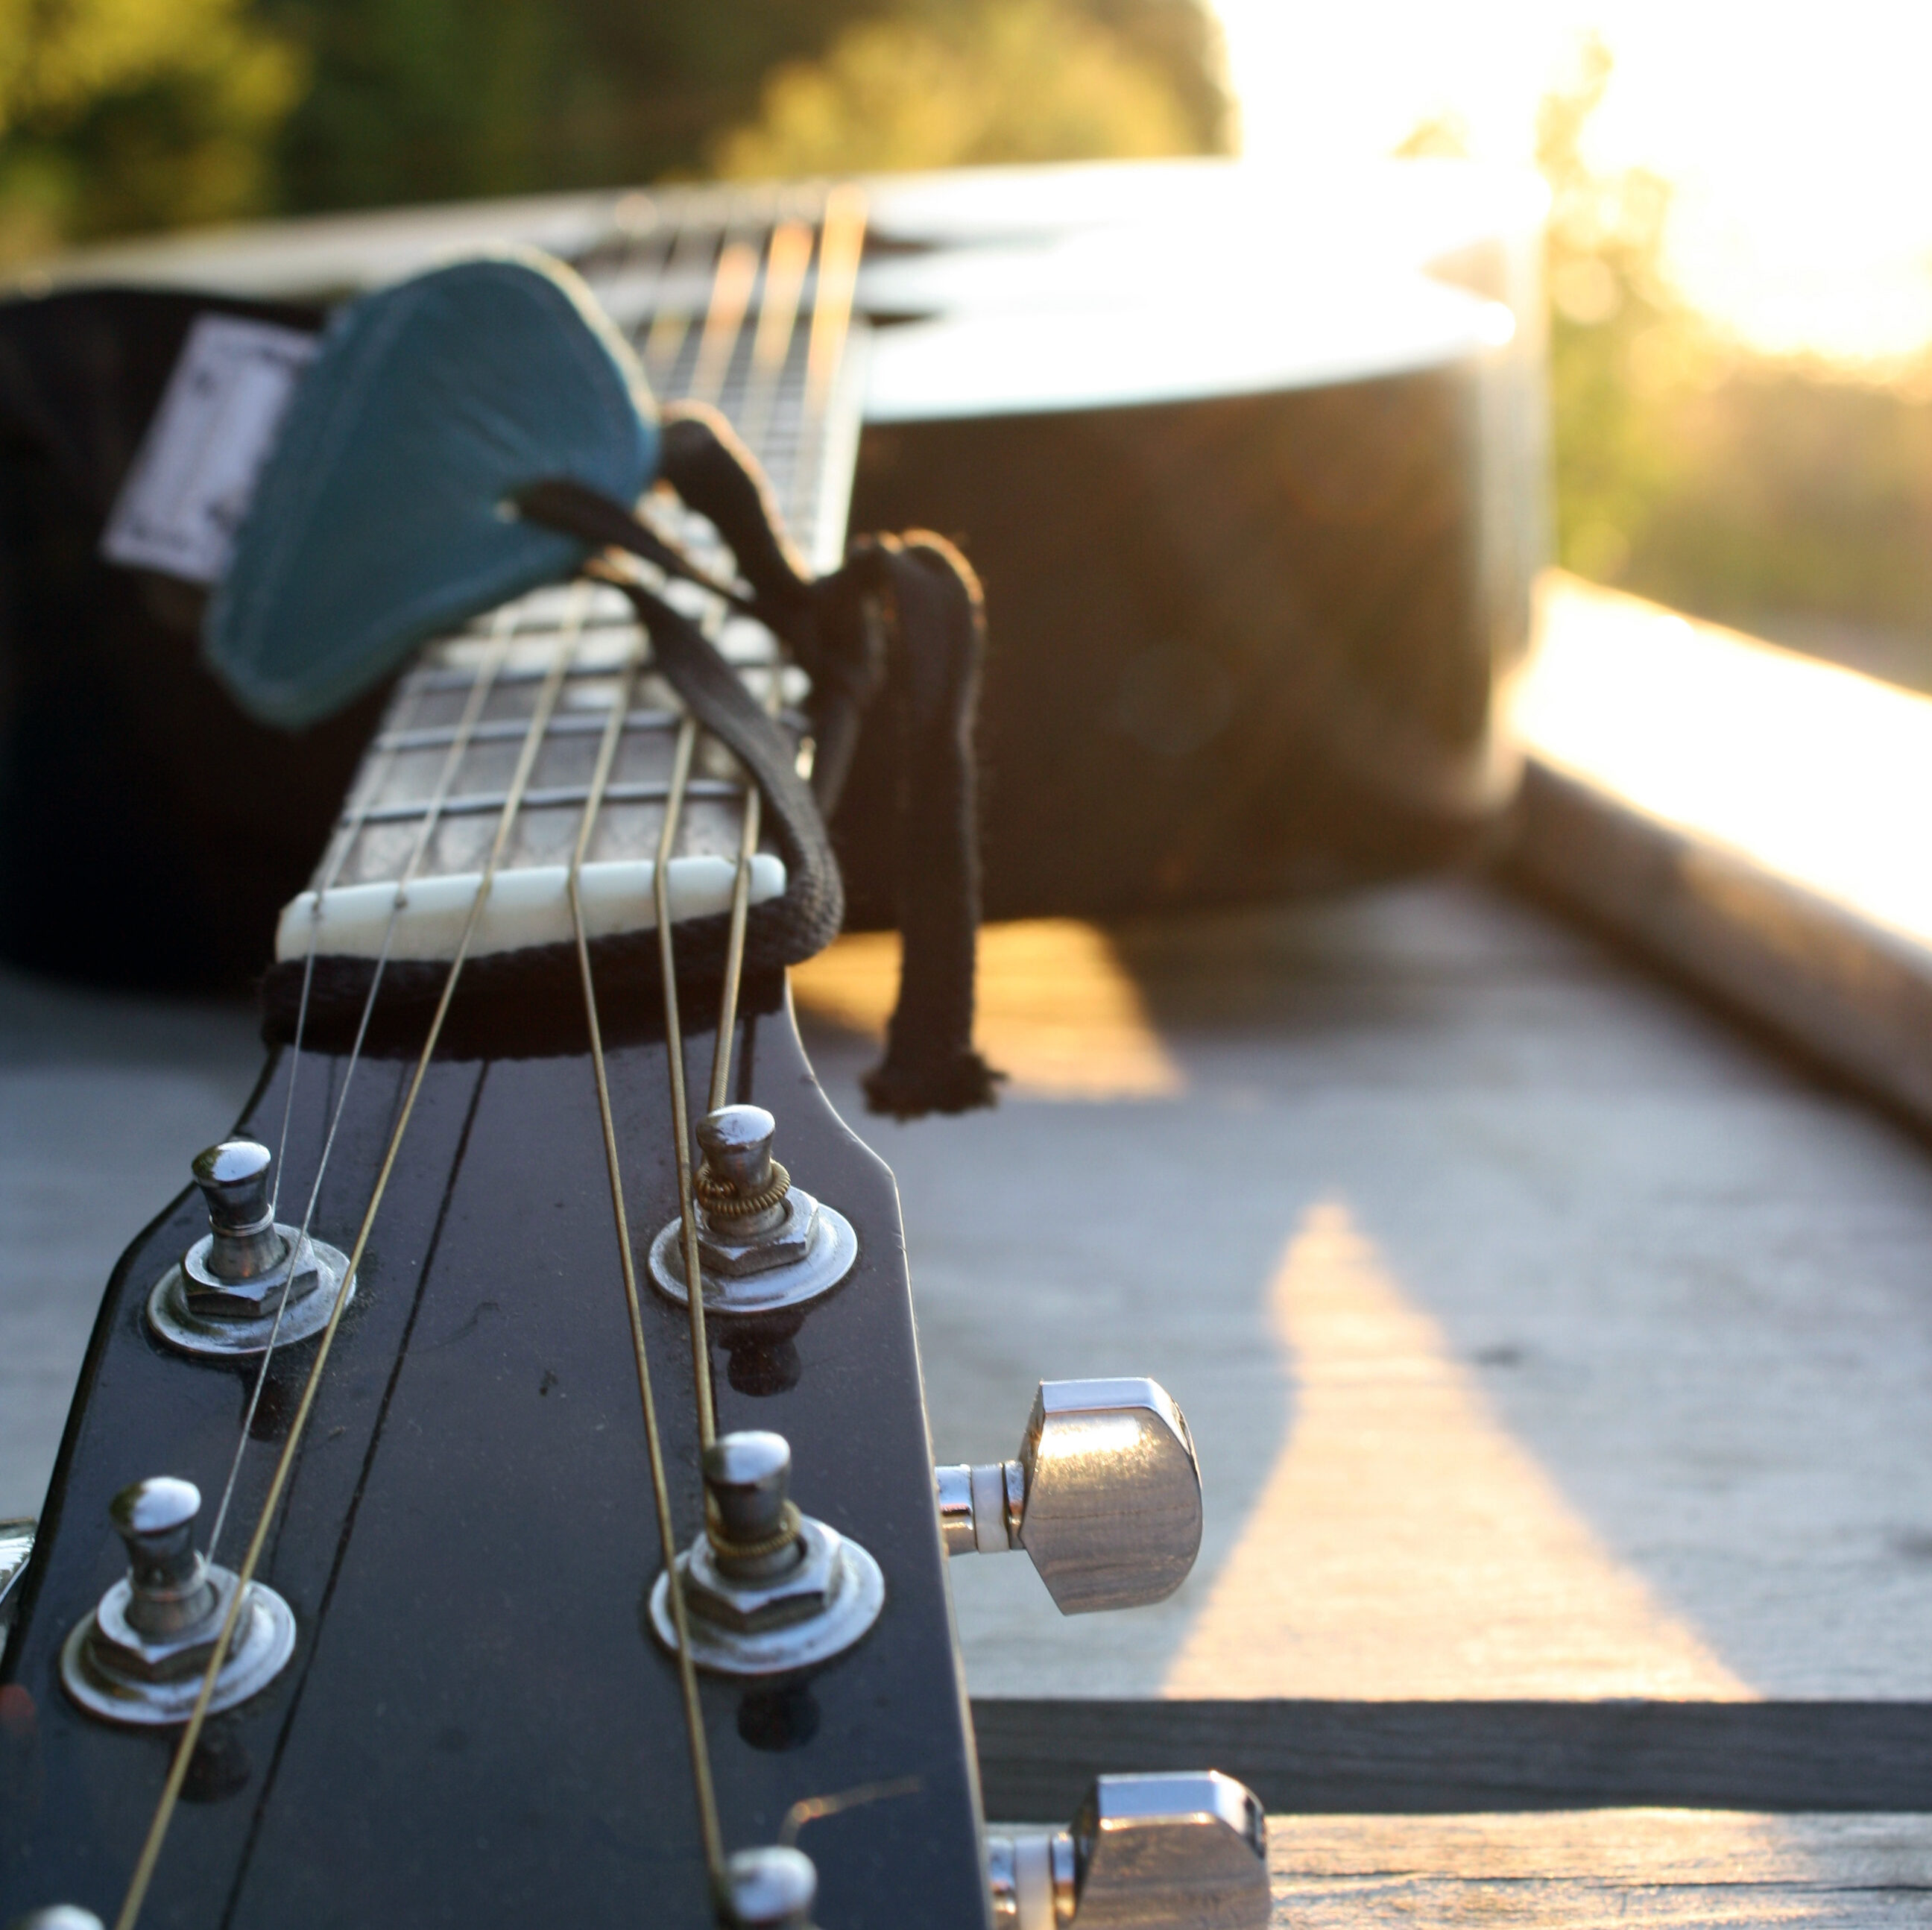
194,475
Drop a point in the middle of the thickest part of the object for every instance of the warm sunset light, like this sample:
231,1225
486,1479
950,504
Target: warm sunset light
1795,145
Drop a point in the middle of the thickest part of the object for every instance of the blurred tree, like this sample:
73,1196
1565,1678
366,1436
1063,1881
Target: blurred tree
1785,497
419,99
122,115
125,114
1014,80
1610,309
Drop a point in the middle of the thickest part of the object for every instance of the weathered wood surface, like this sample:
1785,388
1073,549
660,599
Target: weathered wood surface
1036,1758
1578,1871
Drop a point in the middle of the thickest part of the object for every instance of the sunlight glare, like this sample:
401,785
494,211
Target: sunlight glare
1795,143
1816,775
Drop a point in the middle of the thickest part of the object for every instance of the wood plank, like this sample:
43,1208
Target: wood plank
1579,1871
1037,1756
1744,815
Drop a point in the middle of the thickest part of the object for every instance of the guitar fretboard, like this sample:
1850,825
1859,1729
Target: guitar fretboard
742,302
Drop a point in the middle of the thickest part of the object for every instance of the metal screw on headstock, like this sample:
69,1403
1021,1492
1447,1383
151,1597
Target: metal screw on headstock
771,1889
57,1916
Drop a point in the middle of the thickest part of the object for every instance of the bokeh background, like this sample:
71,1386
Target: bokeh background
1740,250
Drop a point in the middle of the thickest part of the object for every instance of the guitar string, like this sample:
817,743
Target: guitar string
789,274
789,258
816,1808
670,326
190,1735
680,1111
340,845
693,1715
732,287
842,241
503,629
703,1788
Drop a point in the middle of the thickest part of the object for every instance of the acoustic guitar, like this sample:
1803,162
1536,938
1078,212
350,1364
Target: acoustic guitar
1252,470
499,1489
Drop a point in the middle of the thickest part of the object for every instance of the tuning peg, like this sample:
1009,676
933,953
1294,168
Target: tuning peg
1104,1495
249,1278
57,1916
139,1657
763,1243
1170,1852
766,1588
245,1246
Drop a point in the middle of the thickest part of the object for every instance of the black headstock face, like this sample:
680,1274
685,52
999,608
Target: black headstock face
477,1727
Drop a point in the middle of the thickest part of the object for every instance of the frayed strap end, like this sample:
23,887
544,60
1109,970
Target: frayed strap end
959,1084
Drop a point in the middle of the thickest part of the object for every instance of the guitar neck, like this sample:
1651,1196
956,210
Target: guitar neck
744,305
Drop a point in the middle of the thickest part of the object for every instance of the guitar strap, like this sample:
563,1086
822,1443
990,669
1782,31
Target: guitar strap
903,618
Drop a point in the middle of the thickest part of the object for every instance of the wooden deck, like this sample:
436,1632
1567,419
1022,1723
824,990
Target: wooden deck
1590,1871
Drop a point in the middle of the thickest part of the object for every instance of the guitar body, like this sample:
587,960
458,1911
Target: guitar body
1271,609
119,803
477,1728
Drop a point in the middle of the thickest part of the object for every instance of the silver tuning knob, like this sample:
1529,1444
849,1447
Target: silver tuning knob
772,1888
1170,1852
248,1270
139,1657
1104,1495
57,1916
766,1588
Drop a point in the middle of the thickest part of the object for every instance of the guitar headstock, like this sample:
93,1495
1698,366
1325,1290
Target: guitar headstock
479,1719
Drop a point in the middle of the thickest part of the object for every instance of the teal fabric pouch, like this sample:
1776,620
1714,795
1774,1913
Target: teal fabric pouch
380,518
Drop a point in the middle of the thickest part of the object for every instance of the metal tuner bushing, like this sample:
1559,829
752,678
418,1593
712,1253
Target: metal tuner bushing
250,1277
766,1590
1104,1496
139,1657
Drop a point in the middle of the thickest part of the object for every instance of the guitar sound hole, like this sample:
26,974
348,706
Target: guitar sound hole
778,1718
